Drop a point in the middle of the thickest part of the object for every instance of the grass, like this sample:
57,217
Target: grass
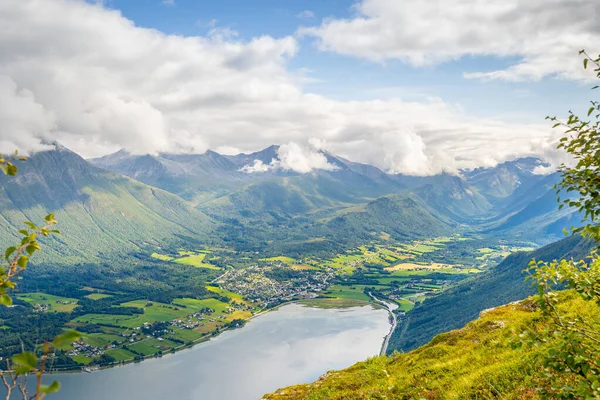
49,300
354,292
283,259
196,261
120,354
144,347
475,362
100,339
162,257
227,293
97,296
304,267
81,359
333,303
404,305
414,266
154,313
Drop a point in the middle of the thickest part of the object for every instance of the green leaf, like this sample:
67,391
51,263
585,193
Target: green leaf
30,249
11,170
22,261
5,300
52,388
9,252
24,362
49,217
30,224
591,110
63,341
585,62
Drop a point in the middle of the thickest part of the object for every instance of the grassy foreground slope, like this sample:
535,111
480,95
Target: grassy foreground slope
500,285
478,361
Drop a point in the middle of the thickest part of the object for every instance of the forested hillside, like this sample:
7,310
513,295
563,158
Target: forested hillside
460,304
101,214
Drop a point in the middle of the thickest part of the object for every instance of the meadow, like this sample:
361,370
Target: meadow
55,303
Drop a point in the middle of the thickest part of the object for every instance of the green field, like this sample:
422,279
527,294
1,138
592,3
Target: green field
100,339
283,259
404,305
335,303
120,354
85,360
156,312
227,293
162,257
49,300
144,347
196,261
97,296
354,292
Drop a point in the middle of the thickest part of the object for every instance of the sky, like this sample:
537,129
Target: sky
411,86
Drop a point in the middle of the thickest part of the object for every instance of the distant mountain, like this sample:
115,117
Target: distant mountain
497,200
402,216
500,285
500,182
100,214
194,177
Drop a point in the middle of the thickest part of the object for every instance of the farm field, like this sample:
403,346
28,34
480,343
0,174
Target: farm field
55,303
196,261
98,296
403,273
124,337
414,266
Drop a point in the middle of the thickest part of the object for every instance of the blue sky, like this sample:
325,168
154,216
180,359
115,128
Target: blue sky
411,86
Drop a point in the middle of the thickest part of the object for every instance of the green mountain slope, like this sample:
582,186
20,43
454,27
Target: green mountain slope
477,361
101,215
402,216
458,305
194,177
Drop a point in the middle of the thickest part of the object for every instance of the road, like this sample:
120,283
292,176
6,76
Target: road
390,307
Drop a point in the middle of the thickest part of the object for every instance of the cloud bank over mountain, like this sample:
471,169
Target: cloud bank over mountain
86,76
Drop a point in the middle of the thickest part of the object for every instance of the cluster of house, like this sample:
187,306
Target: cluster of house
41,307
82,348
254,285
185,324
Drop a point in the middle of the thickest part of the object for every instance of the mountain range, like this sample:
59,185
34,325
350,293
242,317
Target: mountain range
127,202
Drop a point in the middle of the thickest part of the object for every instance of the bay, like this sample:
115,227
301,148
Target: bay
294,344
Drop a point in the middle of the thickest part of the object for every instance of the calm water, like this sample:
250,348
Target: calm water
294,344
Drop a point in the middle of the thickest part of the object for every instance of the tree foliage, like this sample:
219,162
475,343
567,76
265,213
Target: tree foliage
582,142
572,360
16,258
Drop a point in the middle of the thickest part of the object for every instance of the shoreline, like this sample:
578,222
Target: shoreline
394,323
206,338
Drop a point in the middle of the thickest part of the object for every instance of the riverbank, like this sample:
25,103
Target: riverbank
394,321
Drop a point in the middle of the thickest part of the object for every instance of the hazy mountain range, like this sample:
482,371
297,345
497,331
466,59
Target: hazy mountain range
127,201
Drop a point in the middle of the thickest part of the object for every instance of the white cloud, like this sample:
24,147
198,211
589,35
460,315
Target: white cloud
544,35
168,2
306,14
258,166
91,79
24,123
293,157
301,159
